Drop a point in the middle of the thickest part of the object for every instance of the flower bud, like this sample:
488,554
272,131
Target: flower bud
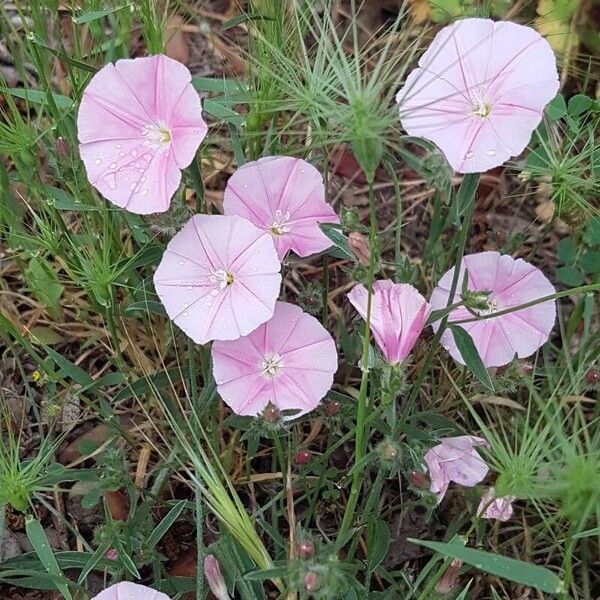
112,554
306,549
447,581
271,414
216,583
592,376
302,457
388,451
350,218
359,245
419,480
62,148
332,408
311,582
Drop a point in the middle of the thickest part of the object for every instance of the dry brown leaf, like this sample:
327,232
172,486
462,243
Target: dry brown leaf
177,46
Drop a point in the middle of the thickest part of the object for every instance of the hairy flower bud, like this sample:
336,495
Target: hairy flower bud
306,549
332,408
303,457
62,148
311,582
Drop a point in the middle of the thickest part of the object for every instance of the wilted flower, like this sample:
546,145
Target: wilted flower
479,92
359,245
491,507
447,581
289,361
139,124
219,278
398,316
455,460
286,197
509,283
130,591
212,572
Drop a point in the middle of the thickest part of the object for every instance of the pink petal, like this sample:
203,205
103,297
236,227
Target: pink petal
308,361
286,197
139,123
130,591
189,285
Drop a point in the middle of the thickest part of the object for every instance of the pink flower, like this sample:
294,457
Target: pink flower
130,591
212,572
509,282
219,278
500,509
398,316
139,123
455,459
289,362
479,92
286,197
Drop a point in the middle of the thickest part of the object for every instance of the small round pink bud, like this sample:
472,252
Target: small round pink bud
419,480
303,457
592,376
112,554
332,408
62,148
306,549
311,582
271,414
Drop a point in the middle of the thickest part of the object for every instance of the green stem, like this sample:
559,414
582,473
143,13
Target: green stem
361,426
325,292
199,546
468,182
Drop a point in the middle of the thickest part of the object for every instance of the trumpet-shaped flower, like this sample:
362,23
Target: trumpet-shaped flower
139,123
288,362
398,316
130,591
219,278
286,197
216,583
501,282
491,507
455,460
479,91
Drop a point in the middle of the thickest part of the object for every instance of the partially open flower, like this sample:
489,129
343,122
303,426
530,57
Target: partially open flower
130,591
479,91
455,460
491,507
398,316
139,124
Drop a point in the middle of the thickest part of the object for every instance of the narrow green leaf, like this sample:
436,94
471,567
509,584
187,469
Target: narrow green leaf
96,15
220,85
40,544
378,544
213,107
150,307
467,350
245,18
512,569
165,524
43,282
39,97
77,374
63,201
94,559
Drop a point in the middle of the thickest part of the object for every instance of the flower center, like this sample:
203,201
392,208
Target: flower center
492,307
271,364
280,224
156,135
481,109
222,278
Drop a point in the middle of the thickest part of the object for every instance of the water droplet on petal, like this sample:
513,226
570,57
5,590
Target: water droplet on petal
118,146
113,165
491,153
111,179
470,154
144,192
98,161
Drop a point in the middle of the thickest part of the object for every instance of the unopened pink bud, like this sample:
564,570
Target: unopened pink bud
447,581
303,457
306,549
62,148
271,414
332,408
311,582
212,572
112,554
